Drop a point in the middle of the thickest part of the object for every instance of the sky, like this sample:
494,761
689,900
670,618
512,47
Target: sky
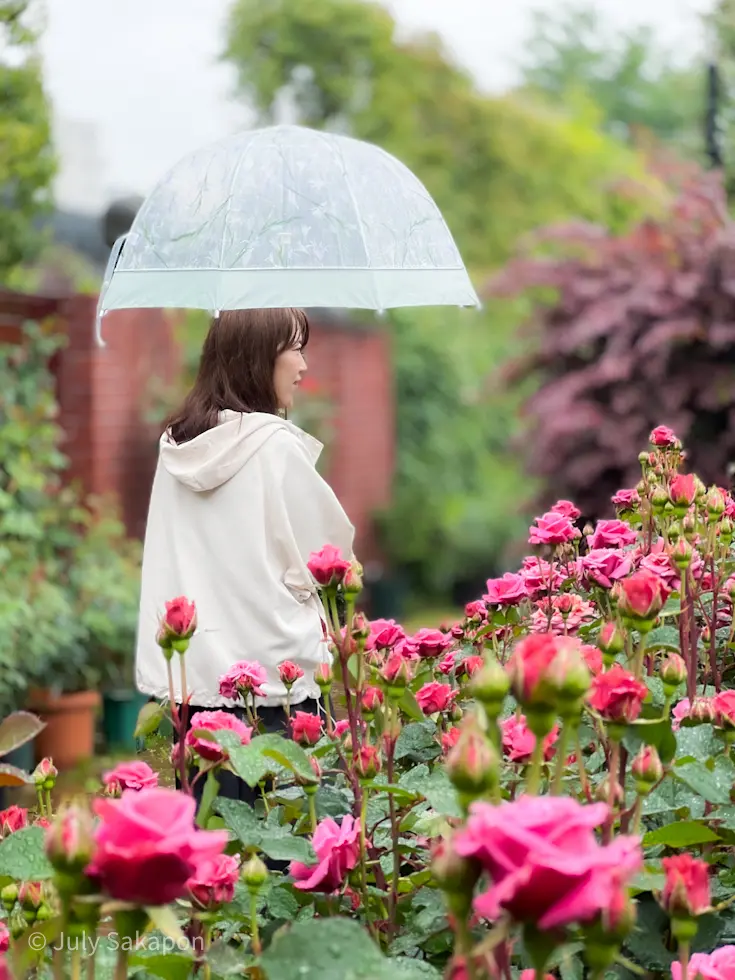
137,84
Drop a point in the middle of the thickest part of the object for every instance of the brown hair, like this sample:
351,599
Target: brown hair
236,367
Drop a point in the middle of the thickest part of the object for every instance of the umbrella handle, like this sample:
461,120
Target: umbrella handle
106,280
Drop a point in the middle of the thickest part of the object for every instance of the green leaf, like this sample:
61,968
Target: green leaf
325,949
332,802
164,919
149,720
250,764
22,856
169,965
664,638
712,785
417,742
699,742
224,960
278,842
17,729
287,847
441,795
287,753
410,969
680,834
241,819
410,706
282,903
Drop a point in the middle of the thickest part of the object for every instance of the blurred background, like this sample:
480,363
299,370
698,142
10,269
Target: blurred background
583,158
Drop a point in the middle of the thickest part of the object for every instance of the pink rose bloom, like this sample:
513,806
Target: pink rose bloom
446,665
686,892
13,818
215,721
662,435
519,740
506,591
337,849
661,565
719,965
538,574
327,567
306,729
476,610
683,489
430,643
469,665
384,634
552,528
135,775
433,697
243,679
592,657
611,534
544,860
627,499
679,712
341,728
570,611
214,883
567,509
724,708
617,695
179,622
289,673
604,566
4,938
147,846
449,739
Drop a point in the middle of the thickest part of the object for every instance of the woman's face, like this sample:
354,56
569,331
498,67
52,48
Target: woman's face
289,370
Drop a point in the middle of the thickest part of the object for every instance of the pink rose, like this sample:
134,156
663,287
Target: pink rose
476,610
567,509
179,622
719,965
627,499
147,846
470,665
446,665
384,634
663,436
429,643
215,721
569,612
214,883
341,728
642,596
4,938
13,818
433,697
243,679
683,490
449,739
611,534
337,849
289,673
661,565
686,891
679,712
396,671
506,591
328,567
540,575
592,657
552,528
544,860
371,700
617,695
306,729
134,775
519,741
604,566
724,708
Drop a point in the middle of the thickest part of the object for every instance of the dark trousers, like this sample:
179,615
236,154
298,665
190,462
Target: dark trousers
272,721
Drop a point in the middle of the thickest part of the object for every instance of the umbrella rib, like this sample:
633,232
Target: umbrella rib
358,214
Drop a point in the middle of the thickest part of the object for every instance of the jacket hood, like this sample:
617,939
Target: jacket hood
215,456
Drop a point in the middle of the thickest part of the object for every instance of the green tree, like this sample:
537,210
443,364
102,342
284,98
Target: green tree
27,162
575,52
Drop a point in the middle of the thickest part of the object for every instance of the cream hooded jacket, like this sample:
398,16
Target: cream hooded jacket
234,516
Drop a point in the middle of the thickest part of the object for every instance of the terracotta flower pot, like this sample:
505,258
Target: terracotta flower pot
69,735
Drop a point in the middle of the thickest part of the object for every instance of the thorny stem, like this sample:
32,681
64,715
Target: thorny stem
49,804
637,814
254,934
41,805
561,757
171,695
684,959
533,780
343,647
640,653
394,828
613,769
312,811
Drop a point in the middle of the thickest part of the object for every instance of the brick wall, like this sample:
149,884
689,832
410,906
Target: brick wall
104,394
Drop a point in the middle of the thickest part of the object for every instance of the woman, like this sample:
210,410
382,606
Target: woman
236,509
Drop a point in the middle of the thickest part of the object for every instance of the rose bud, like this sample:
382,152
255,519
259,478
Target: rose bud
254,874
702,712
328,568
289,673
30,895
367,762
324,677
725,531
178,624
469,666
70,839
395,674
682,492
602,793
352,582
611,641
306,729
641,598
673,672
490,685
659,500
360,627
686,892
371,700
45,773
715,503
681,553
472,765
9,896
647,770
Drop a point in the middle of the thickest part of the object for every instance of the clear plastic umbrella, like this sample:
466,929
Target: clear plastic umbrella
287,216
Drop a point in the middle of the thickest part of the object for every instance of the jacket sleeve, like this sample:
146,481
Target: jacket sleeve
313,516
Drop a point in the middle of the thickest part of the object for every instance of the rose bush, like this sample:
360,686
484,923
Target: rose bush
542,788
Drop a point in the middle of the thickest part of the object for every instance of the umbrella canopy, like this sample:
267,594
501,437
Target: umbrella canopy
287,216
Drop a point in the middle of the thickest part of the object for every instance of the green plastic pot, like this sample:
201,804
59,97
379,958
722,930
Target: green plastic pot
119,716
